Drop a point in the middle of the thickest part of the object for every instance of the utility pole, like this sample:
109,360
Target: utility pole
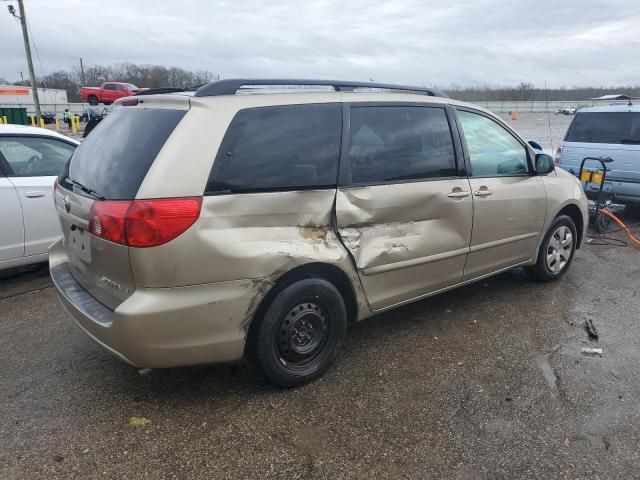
21,77
27,48
82,72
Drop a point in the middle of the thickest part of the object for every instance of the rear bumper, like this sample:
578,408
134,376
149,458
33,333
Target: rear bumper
625,192
630,195
162,327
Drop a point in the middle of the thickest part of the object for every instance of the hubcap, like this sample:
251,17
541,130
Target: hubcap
559,249
302,334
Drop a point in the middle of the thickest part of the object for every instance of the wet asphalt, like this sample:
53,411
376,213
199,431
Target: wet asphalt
487,381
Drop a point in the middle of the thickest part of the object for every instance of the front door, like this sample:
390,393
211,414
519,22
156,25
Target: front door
404,210
34,163
509,202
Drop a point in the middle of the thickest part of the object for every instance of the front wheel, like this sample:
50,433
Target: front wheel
556,251
299,336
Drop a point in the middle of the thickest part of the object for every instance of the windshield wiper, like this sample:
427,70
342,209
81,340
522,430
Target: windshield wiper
630,141
85,189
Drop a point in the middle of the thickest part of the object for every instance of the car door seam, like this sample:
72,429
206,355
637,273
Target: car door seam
503,241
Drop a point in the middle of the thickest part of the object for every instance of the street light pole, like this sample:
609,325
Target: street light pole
27,48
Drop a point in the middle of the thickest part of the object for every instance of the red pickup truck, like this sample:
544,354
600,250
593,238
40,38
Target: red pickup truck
108,92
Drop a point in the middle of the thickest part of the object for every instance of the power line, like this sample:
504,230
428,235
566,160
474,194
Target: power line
35,46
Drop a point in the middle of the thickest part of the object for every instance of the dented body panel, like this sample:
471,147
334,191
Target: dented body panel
193,299
164,327
258,236
406,239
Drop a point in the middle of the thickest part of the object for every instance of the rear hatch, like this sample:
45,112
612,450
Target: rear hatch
603,133
108,169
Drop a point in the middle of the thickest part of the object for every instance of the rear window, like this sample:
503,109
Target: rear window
279,148
605,127
116,157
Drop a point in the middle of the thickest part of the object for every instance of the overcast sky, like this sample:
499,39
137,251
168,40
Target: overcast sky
466,42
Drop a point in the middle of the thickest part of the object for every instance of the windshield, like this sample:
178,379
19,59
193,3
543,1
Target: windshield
605,127
130,86
115,158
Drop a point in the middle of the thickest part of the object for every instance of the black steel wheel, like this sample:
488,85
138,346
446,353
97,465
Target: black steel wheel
300,334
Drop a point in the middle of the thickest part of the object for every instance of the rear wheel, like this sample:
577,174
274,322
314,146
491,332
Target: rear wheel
299,336
556,251
93,100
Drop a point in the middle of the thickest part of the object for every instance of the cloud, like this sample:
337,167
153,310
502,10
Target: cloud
496,42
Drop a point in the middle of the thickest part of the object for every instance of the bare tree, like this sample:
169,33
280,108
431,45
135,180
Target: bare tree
528,92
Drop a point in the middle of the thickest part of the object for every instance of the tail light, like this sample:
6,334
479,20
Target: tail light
107,220
558,156
143,223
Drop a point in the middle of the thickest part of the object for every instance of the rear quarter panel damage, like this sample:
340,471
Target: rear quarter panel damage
256,236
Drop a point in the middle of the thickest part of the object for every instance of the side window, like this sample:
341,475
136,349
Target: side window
493,151
390,143
288,147
33,156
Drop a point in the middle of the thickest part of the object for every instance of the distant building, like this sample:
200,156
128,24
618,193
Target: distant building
13,95
615,99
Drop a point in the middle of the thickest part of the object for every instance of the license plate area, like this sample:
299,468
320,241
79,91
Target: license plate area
80,243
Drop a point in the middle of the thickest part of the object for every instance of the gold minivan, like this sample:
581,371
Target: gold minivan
260,217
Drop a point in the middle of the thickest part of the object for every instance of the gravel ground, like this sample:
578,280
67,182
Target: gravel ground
483,382
548,131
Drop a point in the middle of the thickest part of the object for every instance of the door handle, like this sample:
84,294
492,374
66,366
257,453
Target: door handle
483,192
34,194
458,194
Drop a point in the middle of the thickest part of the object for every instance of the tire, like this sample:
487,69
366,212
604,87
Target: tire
299,336
601,222
93,100
554,257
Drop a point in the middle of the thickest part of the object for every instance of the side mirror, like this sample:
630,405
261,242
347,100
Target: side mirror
544,164
535,145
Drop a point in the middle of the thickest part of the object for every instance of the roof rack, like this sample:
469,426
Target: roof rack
159,90
232,85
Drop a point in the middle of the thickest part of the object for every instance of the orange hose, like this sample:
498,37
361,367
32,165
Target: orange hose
633,238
